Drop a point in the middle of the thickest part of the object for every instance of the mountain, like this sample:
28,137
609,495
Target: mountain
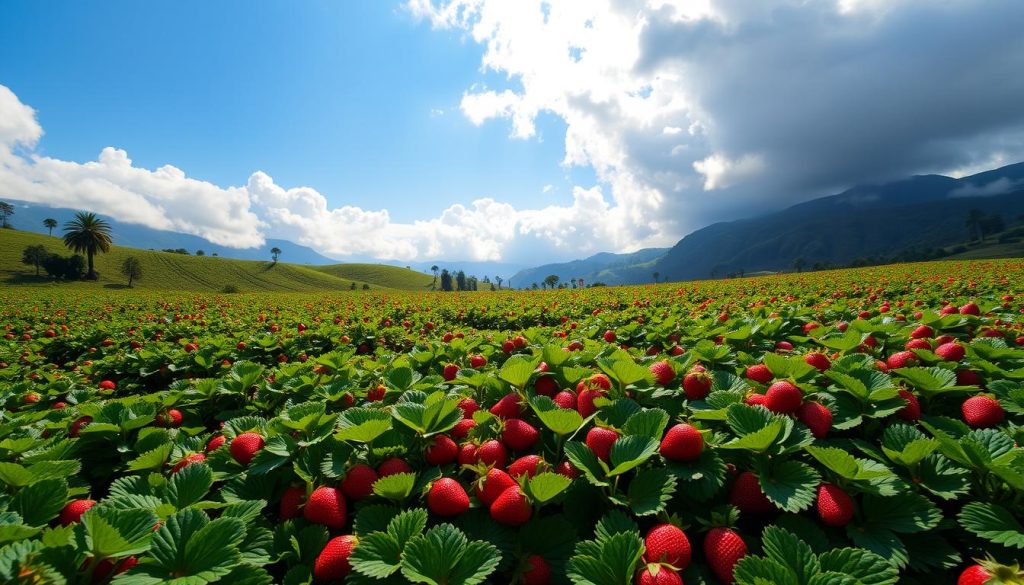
30,216
605,267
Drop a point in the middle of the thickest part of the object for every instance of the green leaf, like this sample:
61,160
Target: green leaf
546,486
362,425
443,556
630,452
517,370
189,485
650,422
929,380
867,567
993,523
169,541
212,551
650,491
700,480
378,555
906,512
744,419
758,441
624,371
374,518
561,421
785,548
753,570
117,533
407,524
612,523
40,502
153,459
396,487
583,458
621,552
880,541
789,484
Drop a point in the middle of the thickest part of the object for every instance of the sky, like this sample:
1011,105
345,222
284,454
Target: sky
493,130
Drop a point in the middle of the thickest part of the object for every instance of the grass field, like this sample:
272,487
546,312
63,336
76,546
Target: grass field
380,275
166,271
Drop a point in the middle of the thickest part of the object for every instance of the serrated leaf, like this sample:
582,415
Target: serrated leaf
906,512
407,524
583,458
362,425
650,422
758,441
789,484
39,502
560,421
650,491
517,371
993,523
443,556
546,486
753,570
867,567
396,487
374,518
189,485
700,480
785,548
378,555
630,452
152,459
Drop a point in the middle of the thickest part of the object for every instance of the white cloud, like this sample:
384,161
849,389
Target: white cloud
720,172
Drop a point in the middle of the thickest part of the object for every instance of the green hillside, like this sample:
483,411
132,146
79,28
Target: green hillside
162,270
380,275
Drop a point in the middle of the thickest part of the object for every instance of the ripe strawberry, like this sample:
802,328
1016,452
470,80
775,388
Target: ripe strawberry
594,382
754,399
511,508
291,499
951,352
922,332
697,383
746,495
723,548
447,497
332,563
585,401
171,418
817,417
215,442
982,412
918,344
682,442
461,428
492,485
783,397
450,371
566,468
326,506
546,386
442,451
519,435
468,406
912,411
376,393
78,425
187,460
244,447
536,571
358,482
668,544
818,360
492,453
970,309
663,373
508,407
902,359
73,511
600,441
477,361
967,378
974,575
655,574
107,385
527,465
760,373
565,399
835,506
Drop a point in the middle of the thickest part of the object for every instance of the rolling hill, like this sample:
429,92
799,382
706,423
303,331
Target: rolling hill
380,275
167,271
604,267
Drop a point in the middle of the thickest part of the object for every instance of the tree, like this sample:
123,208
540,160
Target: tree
434,269
656,275
34,256
534,286
68,268
131,268
90,234
6,211
499,280
798,264
975,217
551,280
446,280
992,224
200,253
275,253
460,280
50,223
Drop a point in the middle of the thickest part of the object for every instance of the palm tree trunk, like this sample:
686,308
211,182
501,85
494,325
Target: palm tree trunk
92,273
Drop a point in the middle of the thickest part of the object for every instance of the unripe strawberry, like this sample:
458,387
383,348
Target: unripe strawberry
817,417
982,412
682,442
358,482
511,508
332,564
746,495
447,497
326,506
600,441
666,543
244,447
835,506
783,397
723,548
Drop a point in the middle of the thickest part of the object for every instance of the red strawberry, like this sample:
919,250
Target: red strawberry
78,425
519,435
546,386
835,506
970,309
918,344
291,499
746,495
902,359
492,453
600,441
508,407
912,411
818,360
723,548
697,383
668,544
922,332
754,399
358,482
663,373
461,428
468,407
682,442
527,465
609,336
392,466
332,563
326,506
783,397
974,575
585,401
187,460
951,352
655,574
450,371
492,485
468,455
817,417
108,385
565,399
169,419
511,508
477,361
536,571
216,442
442,451
73,511
967,378
760,373
594,382
244,447
376,393
447,497
982,412
566,468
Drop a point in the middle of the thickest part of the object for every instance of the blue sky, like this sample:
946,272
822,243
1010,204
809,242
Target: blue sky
485,130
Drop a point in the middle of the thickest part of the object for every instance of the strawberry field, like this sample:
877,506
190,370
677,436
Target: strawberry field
843,427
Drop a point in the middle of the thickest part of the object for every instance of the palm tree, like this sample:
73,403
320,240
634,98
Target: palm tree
275,253
6,211
434,269
132,269
499,280
50,223
90,234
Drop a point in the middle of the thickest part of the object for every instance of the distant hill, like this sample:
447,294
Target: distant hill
30,216
605,267
380,275
167,271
